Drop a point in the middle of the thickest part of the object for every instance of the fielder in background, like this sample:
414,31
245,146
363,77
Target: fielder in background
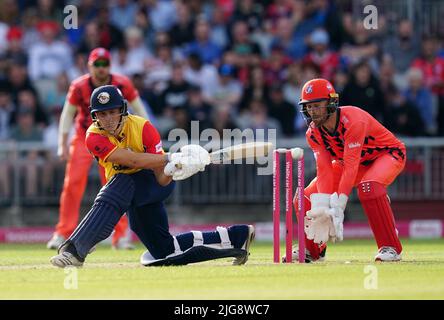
140,176
76,109
352,149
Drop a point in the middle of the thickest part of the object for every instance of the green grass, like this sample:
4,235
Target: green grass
25,273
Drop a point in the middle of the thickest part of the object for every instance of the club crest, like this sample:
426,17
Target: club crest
309,89
103,97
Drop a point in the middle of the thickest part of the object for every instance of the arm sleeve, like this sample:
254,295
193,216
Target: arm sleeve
67,117
99,146
139,108
151,139
324,170
353,143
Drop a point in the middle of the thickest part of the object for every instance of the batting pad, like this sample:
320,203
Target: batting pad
192,255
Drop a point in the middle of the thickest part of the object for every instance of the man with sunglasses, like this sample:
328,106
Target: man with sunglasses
79,160
351,149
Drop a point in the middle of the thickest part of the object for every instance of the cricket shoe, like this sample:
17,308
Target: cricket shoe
123,244
308,257
387,254
246,246
65,259
55,242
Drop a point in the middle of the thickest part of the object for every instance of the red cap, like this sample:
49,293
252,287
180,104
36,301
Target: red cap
48,25
99,53
14,33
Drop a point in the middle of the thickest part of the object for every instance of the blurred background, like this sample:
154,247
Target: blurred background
227,64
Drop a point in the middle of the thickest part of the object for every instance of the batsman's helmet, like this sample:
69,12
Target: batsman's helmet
317,90
106,98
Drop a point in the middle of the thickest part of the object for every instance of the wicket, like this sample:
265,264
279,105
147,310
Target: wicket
290,155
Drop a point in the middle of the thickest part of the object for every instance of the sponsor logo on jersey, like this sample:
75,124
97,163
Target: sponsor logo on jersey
159,147
354,145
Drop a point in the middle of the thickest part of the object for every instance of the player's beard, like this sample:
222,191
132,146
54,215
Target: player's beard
319,120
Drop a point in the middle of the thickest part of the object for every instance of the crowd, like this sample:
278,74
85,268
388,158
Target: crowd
229,64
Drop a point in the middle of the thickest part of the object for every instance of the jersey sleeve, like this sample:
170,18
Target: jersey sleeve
353,142
74,95
128,90
324,170
151,139
99,146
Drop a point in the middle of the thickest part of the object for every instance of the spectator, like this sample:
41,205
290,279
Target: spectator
283,37
48,57
223,119
149,99
182,32
401,116
432,68
27,131
31,35
123,14
325,59
359,47
282,110
159,69
199,74
403,47
250,12
420,96
90,38
364,91
256,89
208,51
48,10
27,101
256,118
144,24
55,98
227,91
198,109
276,66
219,33
247,52
162,14
14,51
109,34
176,92
79,67
137,54
7,108
293,86
18,77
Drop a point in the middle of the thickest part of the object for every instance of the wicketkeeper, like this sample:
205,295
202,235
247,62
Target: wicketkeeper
139,176
352,149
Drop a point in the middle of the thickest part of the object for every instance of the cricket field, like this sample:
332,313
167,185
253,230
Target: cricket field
348,273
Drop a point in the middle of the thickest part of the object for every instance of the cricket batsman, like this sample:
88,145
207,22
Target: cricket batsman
352,149
76,109
139,176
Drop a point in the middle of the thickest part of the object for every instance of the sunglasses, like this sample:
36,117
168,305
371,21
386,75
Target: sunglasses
101,63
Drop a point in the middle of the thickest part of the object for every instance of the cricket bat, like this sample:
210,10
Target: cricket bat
241,151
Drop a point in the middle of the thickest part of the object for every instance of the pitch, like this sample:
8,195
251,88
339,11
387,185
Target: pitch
348,273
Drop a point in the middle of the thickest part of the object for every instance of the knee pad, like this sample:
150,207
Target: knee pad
370,190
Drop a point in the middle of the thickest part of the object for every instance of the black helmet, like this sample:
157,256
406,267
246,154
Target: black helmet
106,98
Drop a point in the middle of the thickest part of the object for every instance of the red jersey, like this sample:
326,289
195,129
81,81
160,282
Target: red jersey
433,73
357,141
80,91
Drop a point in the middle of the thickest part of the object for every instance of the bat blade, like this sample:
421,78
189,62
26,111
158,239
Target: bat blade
241,151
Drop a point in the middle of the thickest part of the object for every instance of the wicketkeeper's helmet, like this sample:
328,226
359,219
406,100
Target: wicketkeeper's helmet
317,90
